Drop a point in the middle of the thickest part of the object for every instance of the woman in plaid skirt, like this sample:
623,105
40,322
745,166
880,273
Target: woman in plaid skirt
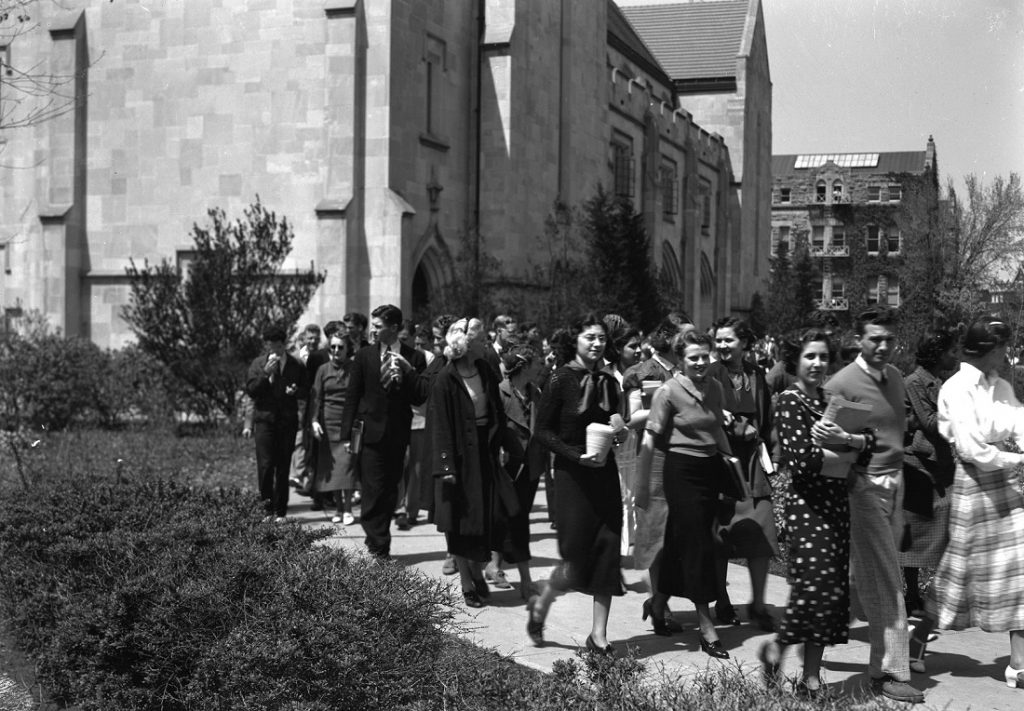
980,580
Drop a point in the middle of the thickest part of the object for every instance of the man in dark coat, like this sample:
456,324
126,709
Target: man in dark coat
276,383
380,395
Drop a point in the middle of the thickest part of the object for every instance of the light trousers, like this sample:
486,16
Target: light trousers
876,525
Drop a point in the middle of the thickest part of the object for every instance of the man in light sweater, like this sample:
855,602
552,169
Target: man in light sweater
876,493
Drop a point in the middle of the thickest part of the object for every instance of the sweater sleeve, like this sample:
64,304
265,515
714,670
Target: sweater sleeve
550,415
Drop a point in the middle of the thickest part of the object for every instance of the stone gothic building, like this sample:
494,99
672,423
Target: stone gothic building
390,133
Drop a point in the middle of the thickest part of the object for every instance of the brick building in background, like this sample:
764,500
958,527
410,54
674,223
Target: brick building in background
852,212
386,131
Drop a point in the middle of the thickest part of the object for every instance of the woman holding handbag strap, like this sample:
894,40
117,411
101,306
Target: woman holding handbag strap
748,527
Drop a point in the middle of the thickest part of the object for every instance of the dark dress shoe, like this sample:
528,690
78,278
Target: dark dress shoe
472,599
657,619
481,588
727,616
713,649
607,650
402,521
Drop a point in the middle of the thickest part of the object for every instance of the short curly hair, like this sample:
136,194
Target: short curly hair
793,345
740,327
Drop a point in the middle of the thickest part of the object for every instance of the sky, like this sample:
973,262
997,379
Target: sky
864,76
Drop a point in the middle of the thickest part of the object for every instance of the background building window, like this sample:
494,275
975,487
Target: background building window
622,165
782,245
873,290
706,206
874,193
837,191
893,291
819,191
434,59
894,242
838,236
874,243
818,237
669,187
895,192
785,195
838,288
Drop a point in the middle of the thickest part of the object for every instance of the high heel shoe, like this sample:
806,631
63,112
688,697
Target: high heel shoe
607,650
1013,677
713,649
726,615
472,599
917,650
648,609
534,627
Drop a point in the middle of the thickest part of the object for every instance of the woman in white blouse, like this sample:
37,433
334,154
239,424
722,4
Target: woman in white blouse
980,580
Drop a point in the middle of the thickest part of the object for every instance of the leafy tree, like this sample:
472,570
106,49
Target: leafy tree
205,325
984,232
30,93
619,255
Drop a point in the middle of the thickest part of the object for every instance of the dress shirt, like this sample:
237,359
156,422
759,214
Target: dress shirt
977,412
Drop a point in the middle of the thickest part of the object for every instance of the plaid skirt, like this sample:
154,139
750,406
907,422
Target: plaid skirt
980,579
928,536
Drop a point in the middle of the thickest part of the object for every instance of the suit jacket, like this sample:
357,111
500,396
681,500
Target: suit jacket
272,401
382,410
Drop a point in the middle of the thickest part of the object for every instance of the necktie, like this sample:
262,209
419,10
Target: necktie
385,366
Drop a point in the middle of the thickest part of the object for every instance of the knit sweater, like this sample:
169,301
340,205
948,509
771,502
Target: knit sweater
888,415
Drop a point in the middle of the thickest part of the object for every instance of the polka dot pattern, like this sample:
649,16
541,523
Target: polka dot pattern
818,531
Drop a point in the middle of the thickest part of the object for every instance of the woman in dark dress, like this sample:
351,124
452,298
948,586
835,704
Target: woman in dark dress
589,515
749,528
649,503
335,467
817,517
685,422
465,428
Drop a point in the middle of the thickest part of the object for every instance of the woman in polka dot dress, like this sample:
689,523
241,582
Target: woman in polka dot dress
817,518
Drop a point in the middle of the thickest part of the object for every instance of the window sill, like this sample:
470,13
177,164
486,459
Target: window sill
436,142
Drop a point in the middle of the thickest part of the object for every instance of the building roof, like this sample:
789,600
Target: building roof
894,162
695,40
624,38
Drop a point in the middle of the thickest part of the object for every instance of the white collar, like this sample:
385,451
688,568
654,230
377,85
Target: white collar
876,375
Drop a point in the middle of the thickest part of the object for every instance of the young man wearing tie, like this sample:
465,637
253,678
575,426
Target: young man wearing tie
380,395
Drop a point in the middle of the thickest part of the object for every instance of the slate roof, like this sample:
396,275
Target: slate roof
894,162
631,44
695,40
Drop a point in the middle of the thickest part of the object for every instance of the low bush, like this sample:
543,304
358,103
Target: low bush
139,591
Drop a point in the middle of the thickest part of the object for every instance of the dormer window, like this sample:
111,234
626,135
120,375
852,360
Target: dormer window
820,189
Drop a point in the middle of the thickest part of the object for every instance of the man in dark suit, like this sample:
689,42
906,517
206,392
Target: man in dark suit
276,383
380,395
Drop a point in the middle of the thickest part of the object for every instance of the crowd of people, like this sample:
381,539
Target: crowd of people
675,446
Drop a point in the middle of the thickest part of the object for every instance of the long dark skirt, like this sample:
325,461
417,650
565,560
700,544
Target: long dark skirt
477,546
688,560
589,518
513,534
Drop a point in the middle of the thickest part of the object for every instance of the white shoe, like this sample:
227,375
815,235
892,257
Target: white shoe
280,519
348,519
336,519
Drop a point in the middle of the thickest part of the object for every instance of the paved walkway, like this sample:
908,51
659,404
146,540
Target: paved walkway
965,668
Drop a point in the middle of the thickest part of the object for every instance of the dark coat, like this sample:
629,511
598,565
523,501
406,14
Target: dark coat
455,450
272,403
382,410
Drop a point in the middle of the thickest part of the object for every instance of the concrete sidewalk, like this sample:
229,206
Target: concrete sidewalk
965,669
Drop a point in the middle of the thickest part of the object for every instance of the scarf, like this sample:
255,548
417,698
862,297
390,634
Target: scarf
599,388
